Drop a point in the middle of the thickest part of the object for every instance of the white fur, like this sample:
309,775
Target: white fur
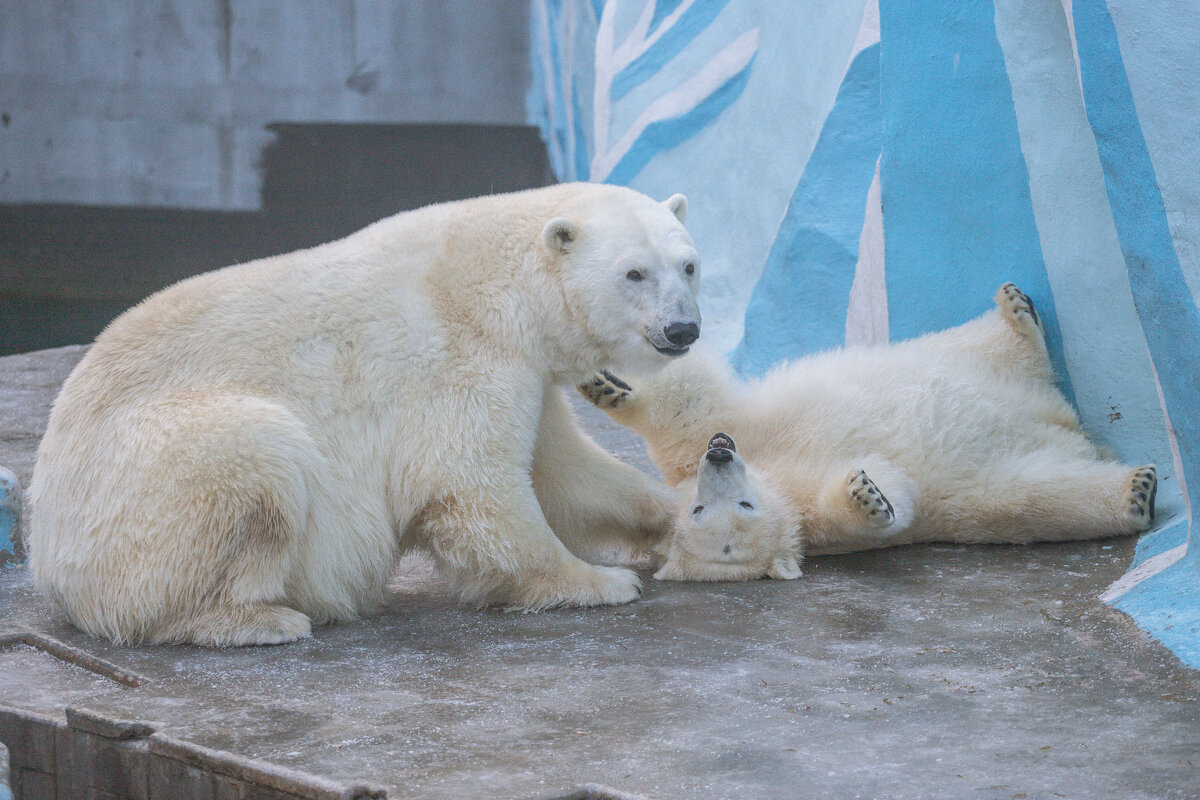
963,432
251,450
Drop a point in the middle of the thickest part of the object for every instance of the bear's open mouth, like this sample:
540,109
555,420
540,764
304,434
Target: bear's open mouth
722,440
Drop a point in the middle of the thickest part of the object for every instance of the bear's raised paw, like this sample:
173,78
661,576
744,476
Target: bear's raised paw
867,499
606,390
1018,310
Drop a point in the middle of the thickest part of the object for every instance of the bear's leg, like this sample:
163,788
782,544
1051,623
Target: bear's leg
240,603
1017,347
592,500
213,508
495,546
1042,497
1009,342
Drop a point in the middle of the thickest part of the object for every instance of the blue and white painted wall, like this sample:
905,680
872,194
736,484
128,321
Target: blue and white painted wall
868,170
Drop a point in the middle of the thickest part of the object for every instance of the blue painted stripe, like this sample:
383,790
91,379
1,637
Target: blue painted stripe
670,44
668,133
799,304
1167,535
1167,605
1168,314
537,104
662,8
10,510
957,213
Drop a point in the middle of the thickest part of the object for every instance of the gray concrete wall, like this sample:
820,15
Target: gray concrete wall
165,102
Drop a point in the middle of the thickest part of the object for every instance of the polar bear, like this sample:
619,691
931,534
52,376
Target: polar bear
250,451
956,436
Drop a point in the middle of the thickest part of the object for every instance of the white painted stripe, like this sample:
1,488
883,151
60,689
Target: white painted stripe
1068,8
543,46
867,314
868,32
1147,569
724,65
1112,374
609,59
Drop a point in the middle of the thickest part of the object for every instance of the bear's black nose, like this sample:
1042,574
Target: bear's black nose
681,334
719,455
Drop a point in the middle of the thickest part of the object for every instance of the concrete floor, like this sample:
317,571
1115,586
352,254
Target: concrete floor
916,672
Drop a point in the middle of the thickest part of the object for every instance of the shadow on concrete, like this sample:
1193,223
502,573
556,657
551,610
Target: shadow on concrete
66,271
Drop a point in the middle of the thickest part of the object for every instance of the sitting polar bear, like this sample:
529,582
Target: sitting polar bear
957,436
252,450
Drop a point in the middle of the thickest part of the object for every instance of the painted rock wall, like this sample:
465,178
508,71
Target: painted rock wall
865,171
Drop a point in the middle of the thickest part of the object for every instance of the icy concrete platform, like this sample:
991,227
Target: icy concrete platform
917,672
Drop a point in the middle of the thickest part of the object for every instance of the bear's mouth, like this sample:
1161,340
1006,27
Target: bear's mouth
722,440
673,352
721,449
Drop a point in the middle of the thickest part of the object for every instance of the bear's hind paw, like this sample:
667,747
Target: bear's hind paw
606,390
236,626
868,501
1139,497
1018,310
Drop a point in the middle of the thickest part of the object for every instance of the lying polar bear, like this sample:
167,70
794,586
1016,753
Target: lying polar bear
252,450
957,436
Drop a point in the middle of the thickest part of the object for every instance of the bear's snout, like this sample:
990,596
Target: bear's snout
681,334
719,455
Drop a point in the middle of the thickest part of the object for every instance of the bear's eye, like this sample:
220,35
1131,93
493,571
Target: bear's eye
697,509
746,504
635,275
689,268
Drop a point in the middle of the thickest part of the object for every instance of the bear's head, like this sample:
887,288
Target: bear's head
736,528
629,273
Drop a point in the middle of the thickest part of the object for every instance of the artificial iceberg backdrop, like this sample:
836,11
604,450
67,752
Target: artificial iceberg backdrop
865,172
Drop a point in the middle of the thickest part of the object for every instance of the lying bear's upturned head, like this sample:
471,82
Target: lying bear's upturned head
736,528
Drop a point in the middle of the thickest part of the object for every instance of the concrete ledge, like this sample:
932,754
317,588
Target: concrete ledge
92,755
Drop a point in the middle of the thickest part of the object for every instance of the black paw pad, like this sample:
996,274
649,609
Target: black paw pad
1143,489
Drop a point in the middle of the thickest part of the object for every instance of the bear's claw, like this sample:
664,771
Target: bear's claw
869,500
606,390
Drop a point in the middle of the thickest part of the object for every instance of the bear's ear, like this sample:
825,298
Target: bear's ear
677,205
784,568
559,233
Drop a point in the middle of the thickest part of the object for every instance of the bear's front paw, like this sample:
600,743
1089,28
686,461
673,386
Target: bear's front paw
582,586
868,501
606,390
